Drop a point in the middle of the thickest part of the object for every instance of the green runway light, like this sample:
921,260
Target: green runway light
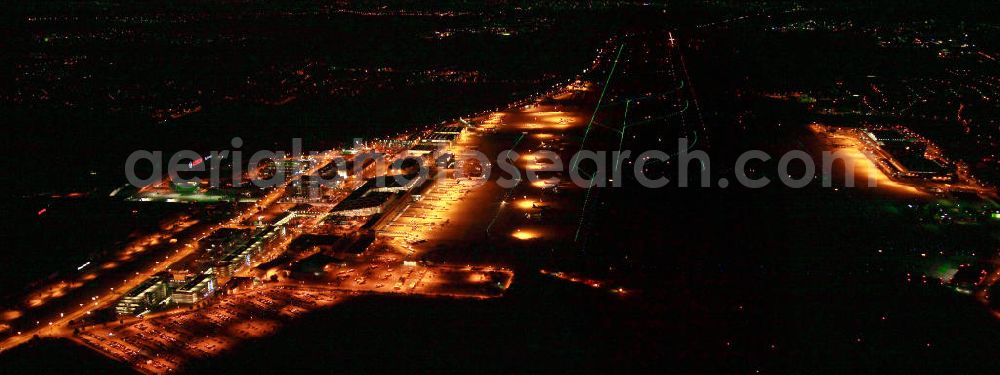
600,99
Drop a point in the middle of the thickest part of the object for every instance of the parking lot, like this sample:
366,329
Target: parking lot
163,344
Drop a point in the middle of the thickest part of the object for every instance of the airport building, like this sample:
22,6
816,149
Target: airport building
881,136
312,188
901,156
422,149
142,297
373,202
346,168
292,167
442,138
225,238
197,289
244,256
376,194
306,209
393,183
453,129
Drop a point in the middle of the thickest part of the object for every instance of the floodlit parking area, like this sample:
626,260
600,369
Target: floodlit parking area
164,343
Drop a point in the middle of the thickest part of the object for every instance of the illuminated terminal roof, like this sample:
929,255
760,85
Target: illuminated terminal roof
145,287
225,238
368,204
197,283
440,138
375,194
906,156
450,130
393,183
887,135
198,288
